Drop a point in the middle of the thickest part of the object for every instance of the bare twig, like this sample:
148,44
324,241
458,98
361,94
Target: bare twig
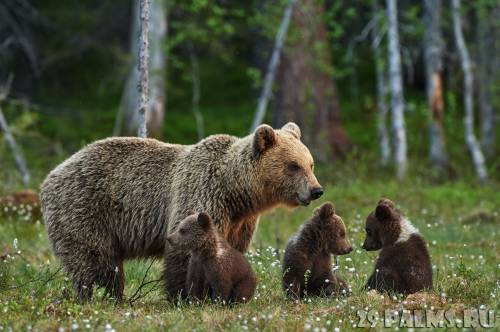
137,294
371,25
273,66
152,289
51,277
16,151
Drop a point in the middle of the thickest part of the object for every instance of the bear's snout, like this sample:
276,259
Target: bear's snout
317,193
345,250
368,246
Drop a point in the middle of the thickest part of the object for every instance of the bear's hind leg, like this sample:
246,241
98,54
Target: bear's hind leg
243,291
93,270
385,280
83,289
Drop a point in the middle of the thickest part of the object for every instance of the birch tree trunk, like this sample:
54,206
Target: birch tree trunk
381,88
260,112
433,75
472,143
396,88
143,85
129,105
486,72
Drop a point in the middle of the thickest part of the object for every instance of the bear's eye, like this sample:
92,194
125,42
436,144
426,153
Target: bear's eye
293,167
368,232
182,231
342,234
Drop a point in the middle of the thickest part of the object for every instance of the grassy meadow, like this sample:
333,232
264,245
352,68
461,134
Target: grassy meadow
459,220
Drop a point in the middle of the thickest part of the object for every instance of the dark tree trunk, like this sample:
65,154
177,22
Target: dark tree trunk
306,84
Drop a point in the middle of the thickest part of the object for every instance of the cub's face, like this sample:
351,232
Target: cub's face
382,226
192,232
285,165
372,238
333,229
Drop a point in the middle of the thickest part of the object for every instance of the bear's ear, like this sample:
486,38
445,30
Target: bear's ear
387,202
264,138
292,128
204,220
325,211
385,210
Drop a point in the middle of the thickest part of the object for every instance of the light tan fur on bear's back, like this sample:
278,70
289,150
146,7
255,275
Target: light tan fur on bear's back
119,198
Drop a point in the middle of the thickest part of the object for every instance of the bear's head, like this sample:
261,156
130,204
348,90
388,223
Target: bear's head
284,165
332,230
383,226
193,233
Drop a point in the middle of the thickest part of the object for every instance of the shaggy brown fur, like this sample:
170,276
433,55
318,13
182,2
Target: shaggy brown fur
215,268
404,263
307,266
118,198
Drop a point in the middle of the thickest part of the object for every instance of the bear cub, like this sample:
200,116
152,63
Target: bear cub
404,264
215,268
307,265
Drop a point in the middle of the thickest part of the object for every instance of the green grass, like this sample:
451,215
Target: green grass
465,255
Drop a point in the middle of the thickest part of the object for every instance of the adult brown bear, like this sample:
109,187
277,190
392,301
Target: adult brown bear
119,198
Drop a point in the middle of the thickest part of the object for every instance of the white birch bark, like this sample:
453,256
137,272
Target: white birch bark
273,66
130,103
433,69
396,89
381,88
472,143
143,85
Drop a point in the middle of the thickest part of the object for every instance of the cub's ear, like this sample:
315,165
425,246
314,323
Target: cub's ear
385,211
325,211
387,202
204,220
292,128
264,138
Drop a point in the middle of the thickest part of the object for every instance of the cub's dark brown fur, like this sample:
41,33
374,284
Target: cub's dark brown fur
404,263
215,268
307,266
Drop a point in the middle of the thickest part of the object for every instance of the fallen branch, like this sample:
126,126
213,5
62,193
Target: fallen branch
16,151
137,295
